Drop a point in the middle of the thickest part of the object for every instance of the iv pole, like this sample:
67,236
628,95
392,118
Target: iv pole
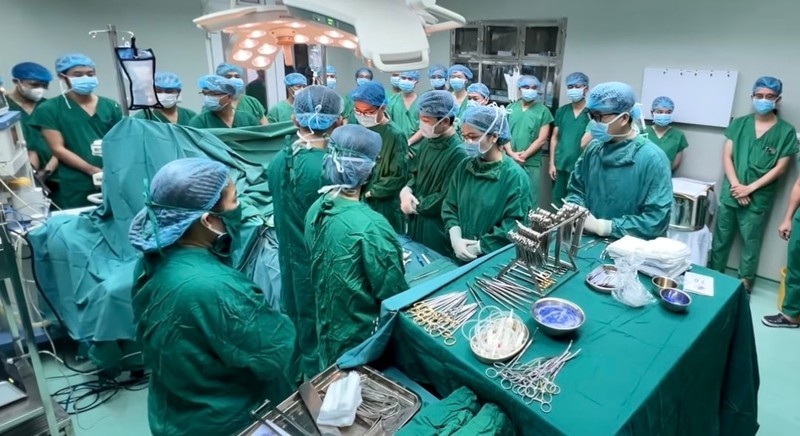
111,30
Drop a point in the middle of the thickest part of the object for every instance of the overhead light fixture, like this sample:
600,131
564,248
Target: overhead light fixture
334,34
242,55
248,43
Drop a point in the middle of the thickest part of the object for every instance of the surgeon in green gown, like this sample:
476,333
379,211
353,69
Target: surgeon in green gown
622,178
218,110
391,172
663,134
70,124
363,75
243,102
214,348
489,192
530,129
403,109
295,178
569,135
758,151
356,259
283,111
168,91
438,156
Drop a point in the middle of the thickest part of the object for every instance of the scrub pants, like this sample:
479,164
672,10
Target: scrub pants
535,177
750,225
560,187
791,301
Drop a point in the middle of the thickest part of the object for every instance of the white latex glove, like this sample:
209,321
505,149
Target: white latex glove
408,203
475,248
599,227
462,246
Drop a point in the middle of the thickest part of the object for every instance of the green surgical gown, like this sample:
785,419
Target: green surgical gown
791,301
349,111
214,347
281,112
184,116
258,90
210,120
752,159
435,165
486,199
33,137
444,418
406,119
629,183
390,175
252,106
295,177
79,131
525,126
356,262
570,132
673,141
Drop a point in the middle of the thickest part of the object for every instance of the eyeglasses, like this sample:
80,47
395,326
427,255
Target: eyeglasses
770,97
598,116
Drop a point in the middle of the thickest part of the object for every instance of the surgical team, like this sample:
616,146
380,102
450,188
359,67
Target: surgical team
444,166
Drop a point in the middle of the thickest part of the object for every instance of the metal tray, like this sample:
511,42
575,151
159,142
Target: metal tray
294,409
599,288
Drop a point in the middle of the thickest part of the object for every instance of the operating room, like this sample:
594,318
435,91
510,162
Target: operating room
352,257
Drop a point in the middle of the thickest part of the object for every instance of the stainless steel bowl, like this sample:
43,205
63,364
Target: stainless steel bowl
660,283
557,317
608,269
675,300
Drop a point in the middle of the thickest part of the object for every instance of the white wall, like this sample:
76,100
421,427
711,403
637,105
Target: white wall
41,30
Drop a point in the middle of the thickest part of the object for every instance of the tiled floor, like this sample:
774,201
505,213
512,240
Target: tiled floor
778,355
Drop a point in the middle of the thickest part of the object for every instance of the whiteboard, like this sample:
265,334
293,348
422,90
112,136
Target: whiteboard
702,97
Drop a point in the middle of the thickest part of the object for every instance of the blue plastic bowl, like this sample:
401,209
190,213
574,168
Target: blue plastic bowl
675,300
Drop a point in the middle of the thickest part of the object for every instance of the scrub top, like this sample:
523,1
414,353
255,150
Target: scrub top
258,90
184,116
281,112
33,137
673,141
79,131
525,126
252,106
349,111
754,157
407,120
390,175
210,120
570,132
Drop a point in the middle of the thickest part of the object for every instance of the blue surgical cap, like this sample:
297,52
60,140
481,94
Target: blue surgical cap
223,69
460,69
364,70
412,74
437,70
295,79
663,103
769,83
611,98
531,81
179,194
165,80
72,60
371,92
353,150
330,70
491,120
216,83
478,88
578,79
31,71
317,108
437,104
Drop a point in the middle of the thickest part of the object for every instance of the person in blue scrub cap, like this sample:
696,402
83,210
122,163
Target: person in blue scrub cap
242,102
569,135
753,166
219,94
168,91
477,95
281,112
459,77
363,75
330,77
663,134
31,82
622,178
402,108
437,75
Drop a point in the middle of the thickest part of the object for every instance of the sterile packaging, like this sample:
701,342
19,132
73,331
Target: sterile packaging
341,402
631,292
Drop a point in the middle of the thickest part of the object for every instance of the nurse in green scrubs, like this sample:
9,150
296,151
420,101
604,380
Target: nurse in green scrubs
530,128
662,134
284,110
243,102
437,76
402,107
569,135
363,75
71,123
758,151
219,112
168,91
459,77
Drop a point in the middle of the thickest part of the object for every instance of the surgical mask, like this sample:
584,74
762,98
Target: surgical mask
427,130
474,147
367,121
83,85
438,83
225,241
212,103
575,95
395,80
763,106
361,80
237,80
406,85
662,119
530,94
600,130
458,84
330,83
168,100
33,94
472,103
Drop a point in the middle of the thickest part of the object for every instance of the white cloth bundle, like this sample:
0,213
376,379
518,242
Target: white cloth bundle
662,256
